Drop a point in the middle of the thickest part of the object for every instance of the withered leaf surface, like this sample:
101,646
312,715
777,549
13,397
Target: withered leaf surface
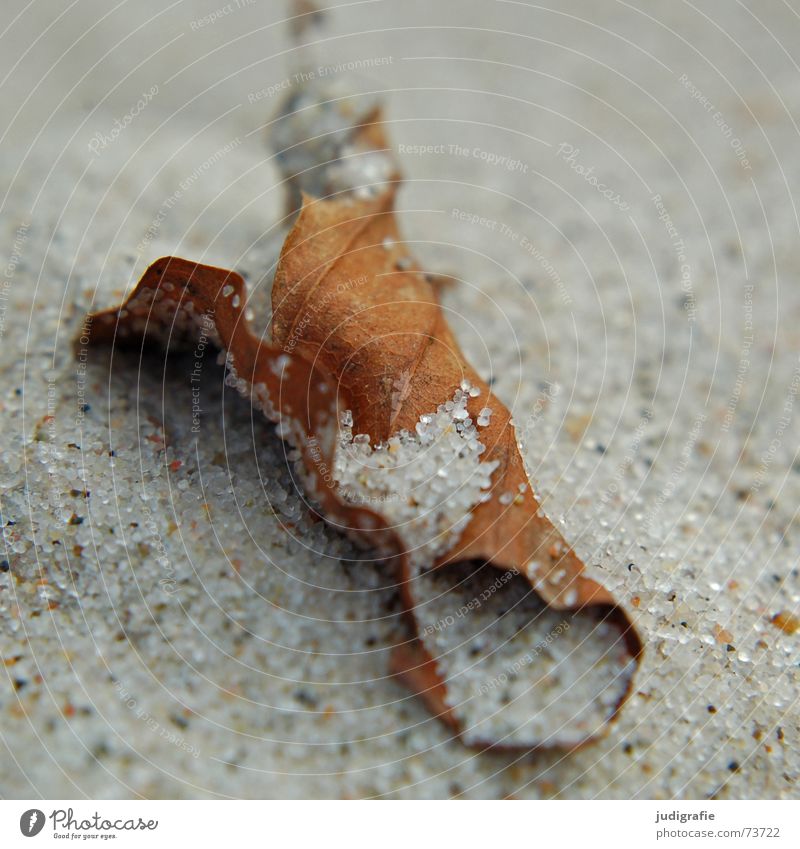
348,296
514,645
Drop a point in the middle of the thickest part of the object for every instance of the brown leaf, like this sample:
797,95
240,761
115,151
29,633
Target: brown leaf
349,297
357,326
174,301
344,300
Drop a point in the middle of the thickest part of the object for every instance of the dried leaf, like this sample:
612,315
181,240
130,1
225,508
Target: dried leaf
348,296
175,301
530,653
